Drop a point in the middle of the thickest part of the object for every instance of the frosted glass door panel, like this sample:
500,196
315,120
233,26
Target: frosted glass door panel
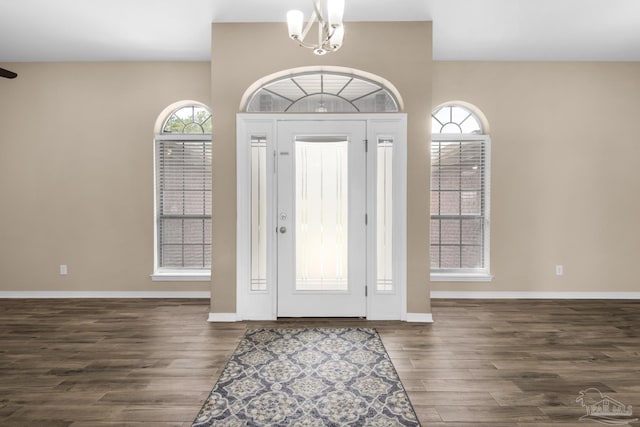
322,215
258,214
384,208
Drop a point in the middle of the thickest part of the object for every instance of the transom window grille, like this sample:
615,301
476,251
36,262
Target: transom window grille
460,154
183,191
192,119
323,92
455,119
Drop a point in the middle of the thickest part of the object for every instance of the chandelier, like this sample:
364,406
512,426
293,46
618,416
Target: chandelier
327,14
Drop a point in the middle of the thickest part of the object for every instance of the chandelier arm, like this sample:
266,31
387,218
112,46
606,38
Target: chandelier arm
304,44
318,10
312,20
321,39
329,31
323,27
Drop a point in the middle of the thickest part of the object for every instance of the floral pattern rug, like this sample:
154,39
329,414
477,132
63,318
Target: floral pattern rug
312,377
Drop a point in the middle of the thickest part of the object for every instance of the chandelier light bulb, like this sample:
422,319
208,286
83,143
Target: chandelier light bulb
335,12
295,19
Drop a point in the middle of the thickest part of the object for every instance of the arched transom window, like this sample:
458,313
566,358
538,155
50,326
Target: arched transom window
455,119
183,195
460,155
192,119
323,92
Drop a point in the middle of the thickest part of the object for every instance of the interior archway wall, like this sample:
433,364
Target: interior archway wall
242,53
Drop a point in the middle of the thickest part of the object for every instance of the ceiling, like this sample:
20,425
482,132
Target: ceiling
179,30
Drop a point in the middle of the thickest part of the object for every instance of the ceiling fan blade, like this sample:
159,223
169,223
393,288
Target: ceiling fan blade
7,74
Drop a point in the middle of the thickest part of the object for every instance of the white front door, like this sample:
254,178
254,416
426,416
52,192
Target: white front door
308,173
320,217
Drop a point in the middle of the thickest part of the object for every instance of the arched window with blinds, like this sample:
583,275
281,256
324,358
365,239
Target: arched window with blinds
460,167
183,195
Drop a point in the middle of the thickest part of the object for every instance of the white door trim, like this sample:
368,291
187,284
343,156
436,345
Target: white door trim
262,305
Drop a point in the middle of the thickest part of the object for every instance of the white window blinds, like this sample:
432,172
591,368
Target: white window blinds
458,204
183,183
460,154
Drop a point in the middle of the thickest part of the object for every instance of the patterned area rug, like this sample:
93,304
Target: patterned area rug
312,377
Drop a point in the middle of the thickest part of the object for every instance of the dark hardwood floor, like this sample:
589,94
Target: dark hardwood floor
153,362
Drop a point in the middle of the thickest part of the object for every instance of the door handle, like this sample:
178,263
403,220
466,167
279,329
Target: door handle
283,229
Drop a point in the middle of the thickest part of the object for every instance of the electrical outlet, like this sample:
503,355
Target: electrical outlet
559,270
63,269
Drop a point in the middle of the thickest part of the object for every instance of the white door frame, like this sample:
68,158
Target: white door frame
262,304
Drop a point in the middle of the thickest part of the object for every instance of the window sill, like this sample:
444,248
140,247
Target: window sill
181,276
461,277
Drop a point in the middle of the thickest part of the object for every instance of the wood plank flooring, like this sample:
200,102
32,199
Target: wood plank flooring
152,362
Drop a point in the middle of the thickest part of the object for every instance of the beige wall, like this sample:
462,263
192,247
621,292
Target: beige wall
76,172
244,53
565,175
76,162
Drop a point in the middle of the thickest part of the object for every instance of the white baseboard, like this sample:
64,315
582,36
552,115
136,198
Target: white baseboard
89,294
419,318
222,317
385,317
253,318
533,295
